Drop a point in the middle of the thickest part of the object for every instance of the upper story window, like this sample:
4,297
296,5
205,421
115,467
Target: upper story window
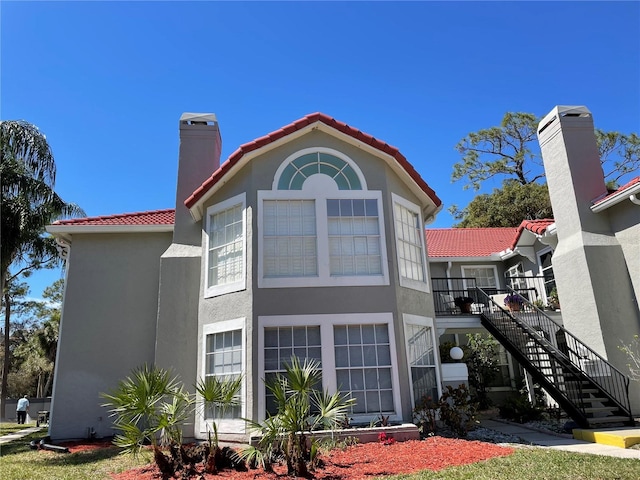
486,277
412,263
319,225
226,247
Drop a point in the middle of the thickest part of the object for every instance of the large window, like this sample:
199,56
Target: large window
290,248
356,352
354,237
225,264
363,366
421,357
410,244
320,226
283,343
223,358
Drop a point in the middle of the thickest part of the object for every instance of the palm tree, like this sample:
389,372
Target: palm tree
29,203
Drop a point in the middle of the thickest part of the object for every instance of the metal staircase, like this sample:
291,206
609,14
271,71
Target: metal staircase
586,386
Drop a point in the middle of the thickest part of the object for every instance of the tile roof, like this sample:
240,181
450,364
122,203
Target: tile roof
154,217
624,187
298,125
536,226
468,242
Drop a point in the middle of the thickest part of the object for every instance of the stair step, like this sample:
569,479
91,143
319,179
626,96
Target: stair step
610,419
600,409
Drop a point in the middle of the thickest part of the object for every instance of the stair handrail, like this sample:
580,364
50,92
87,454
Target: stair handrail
617,388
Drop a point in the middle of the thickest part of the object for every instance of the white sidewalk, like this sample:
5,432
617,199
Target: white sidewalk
19,434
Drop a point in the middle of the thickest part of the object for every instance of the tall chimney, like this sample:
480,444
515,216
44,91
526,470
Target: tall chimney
198,158
590,269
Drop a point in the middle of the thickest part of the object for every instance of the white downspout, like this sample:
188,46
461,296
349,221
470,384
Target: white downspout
449,265
634,199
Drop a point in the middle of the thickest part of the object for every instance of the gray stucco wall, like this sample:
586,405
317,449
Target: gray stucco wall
108,325
254,302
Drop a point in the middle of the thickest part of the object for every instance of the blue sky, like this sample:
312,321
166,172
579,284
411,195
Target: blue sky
108,81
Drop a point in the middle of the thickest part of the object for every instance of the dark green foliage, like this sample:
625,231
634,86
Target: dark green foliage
457,410
481,357
425,415
301,410
505,207
519,409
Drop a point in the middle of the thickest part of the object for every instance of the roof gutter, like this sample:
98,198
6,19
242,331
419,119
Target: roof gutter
631,194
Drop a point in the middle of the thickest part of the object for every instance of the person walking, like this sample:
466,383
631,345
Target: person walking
22,408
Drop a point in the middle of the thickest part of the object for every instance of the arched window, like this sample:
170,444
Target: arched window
319,225
299,167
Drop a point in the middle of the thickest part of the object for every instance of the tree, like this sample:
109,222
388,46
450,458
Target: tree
506,206
29,203
511,152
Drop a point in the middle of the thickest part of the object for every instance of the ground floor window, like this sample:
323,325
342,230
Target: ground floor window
224,357
421,357
356,351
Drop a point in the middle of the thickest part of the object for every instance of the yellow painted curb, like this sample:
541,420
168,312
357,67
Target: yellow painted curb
621,438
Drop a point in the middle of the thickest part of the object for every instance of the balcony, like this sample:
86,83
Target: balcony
446,290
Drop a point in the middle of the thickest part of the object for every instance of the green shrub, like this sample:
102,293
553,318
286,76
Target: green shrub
519,409
457,411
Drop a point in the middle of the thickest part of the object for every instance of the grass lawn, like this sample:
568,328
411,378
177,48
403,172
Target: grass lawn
7,428
534,463
18,462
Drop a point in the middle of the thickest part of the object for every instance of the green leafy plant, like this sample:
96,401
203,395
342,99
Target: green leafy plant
519,409
481,359
457,410
302,409
425,415
151,407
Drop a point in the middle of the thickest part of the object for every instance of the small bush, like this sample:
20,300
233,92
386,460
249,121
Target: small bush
457,411
519,409
425,415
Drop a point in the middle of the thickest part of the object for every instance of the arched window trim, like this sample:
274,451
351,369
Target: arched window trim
328,151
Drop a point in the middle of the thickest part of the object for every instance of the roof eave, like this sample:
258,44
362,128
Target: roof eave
432,207
616,198
494,257
66,231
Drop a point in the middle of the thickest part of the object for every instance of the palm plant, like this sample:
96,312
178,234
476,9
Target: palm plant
302,409
29,203
150,406
219,395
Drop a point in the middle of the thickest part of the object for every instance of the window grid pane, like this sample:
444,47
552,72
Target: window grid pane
281,343
354,237
422,362
226,244
290,248
224,360
363,366
410,254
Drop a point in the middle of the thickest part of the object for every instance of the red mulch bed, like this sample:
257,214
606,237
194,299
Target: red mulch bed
84,446
363,461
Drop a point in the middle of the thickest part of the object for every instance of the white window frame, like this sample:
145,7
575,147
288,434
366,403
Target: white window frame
404,281
495,275
320,190
326,324
409,319
215,290
541,270
224,425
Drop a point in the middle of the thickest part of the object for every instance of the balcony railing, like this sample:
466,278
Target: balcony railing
446,290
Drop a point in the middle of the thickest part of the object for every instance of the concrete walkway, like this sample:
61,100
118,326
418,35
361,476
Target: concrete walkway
558,442
19,434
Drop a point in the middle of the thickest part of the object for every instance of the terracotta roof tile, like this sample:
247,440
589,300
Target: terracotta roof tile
536,226
298,125
155,217
468,242
629,184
